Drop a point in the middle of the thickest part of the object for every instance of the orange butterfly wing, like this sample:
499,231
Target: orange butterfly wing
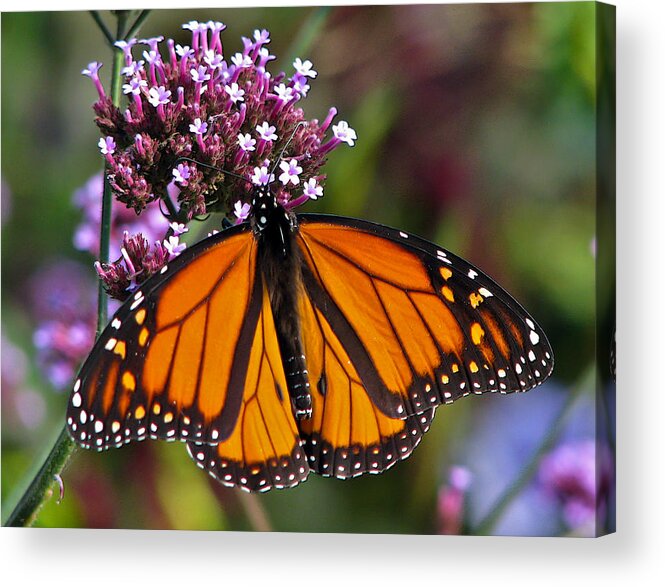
399,326
264,449
158,370
347,434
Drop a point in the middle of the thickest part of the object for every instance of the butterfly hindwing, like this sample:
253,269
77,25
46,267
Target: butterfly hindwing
421,326
159,370
263,450
348,434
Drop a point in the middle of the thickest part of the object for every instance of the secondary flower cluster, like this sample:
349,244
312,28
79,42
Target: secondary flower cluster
579,475
130,239
62,298
195,112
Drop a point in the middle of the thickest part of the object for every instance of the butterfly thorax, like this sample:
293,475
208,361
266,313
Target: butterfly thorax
279,261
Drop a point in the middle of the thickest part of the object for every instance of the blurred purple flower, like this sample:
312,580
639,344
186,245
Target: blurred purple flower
88,198
222,102
21,404
578,475
502,438
451,500
63,300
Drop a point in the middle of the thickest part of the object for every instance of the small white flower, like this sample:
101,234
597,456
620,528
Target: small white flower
235,92
241,210
240,60
178,228
174,246
312,189
284,92
291,171
304,68
262,176
246,142
345,133
266,132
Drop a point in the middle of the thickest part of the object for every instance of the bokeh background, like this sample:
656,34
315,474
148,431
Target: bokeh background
476,129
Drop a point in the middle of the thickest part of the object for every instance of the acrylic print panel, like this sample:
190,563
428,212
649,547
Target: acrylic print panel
486,129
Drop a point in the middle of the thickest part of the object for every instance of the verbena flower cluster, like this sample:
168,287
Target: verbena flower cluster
193,111
203,129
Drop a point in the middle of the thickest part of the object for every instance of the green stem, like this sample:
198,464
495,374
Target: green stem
102,26
138,23
486,526
40,488
308,32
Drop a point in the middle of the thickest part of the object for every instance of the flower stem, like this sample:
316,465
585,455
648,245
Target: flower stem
138,23
107,200
40,488
486,526
308,32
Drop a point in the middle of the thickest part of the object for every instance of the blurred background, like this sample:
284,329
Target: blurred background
476,129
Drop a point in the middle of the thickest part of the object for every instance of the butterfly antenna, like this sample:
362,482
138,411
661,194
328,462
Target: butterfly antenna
224,171
301,123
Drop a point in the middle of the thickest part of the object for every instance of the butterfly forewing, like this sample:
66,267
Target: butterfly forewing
158,369
421,326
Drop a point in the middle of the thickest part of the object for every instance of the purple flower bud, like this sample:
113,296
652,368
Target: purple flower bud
92,71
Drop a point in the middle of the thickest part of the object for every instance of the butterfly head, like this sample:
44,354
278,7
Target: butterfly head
266,210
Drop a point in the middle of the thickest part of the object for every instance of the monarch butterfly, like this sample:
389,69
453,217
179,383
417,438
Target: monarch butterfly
297,343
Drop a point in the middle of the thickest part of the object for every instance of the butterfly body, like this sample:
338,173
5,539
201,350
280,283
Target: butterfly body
279,261
295,344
